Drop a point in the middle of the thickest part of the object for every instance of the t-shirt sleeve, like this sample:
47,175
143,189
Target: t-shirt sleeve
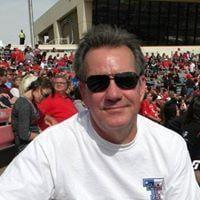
182,184
28,176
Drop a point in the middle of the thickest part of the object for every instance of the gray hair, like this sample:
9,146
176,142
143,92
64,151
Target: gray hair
105,35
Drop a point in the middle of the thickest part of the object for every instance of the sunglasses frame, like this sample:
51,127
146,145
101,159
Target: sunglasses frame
124,80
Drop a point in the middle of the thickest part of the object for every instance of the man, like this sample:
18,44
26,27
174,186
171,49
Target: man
57,107
21,37
108,151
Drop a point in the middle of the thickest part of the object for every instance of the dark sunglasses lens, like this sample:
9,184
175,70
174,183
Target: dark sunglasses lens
126,80
97,83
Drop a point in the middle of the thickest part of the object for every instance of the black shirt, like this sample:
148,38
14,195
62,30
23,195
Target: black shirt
190,132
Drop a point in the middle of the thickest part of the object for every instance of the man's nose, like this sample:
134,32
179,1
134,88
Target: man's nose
113,92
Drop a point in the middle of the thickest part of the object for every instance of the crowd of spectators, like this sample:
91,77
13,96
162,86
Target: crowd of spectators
19,69
172,82
176,77
170,79
17,64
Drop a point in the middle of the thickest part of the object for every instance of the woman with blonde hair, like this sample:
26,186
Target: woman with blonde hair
25,82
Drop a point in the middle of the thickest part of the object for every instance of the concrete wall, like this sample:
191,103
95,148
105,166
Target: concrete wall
84,11
61,9
168,50
54,14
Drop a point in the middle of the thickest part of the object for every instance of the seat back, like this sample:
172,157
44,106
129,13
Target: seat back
6,136
5,115
7,146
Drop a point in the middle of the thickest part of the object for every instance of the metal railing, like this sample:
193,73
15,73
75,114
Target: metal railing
61,41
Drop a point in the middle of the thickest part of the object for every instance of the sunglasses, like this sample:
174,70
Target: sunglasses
99,83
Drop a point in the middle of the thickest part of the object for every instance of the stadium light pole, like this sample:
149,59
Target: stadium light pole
30,11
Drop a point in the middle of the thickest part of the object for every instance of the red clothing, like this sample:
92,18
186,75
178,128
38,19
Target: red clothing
58,107
188,76
61,63
147,109
55,70
36,68
13,55
166,63
20,56
17,55
4,64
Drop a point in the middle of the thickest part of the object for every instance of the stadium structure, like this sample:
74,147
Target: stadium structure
155,22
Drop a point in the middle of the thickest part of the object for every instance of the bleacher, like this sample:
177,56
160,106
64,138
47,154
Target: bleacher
7,146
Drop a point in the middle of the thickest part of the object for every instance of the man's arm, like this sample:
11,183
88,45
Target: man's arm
28,176
182,184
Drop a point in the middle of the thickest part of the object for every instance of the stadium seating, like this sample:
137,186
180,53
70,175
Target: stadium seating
7,146
6,136
5,115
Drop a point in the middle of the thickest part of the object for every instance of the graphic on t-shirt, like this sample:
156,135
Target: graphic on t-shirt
155,186
196,164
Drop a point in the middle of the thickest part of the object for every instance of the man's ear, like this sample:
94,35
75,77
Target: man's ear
82,88
142,85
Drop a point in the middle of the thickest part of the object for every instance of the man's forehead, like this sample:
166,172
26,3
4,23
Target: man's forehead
121,54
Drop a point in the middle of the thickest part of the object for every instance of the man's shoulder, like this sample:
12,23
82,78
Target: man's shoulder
158,132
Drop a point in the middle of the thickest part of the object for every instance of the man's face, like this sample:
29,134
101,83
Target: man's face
60,85
114,108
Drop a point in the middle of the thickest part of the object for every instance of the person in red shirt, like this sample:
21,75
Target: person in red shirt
57,107
17,56
148,108
3,63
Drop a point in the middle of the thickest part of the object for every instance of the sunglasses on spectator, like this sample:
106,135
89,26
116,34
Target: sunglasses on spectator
99,83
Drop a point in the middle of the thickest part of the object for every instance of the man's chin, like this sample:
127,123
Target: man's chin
116,124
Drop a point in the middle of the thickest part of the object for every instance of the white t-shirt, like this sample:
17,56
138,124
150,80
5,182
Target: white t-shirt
70,161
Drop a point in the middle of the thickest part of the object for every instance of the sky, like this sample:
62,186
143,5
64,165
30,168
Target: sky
14,17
